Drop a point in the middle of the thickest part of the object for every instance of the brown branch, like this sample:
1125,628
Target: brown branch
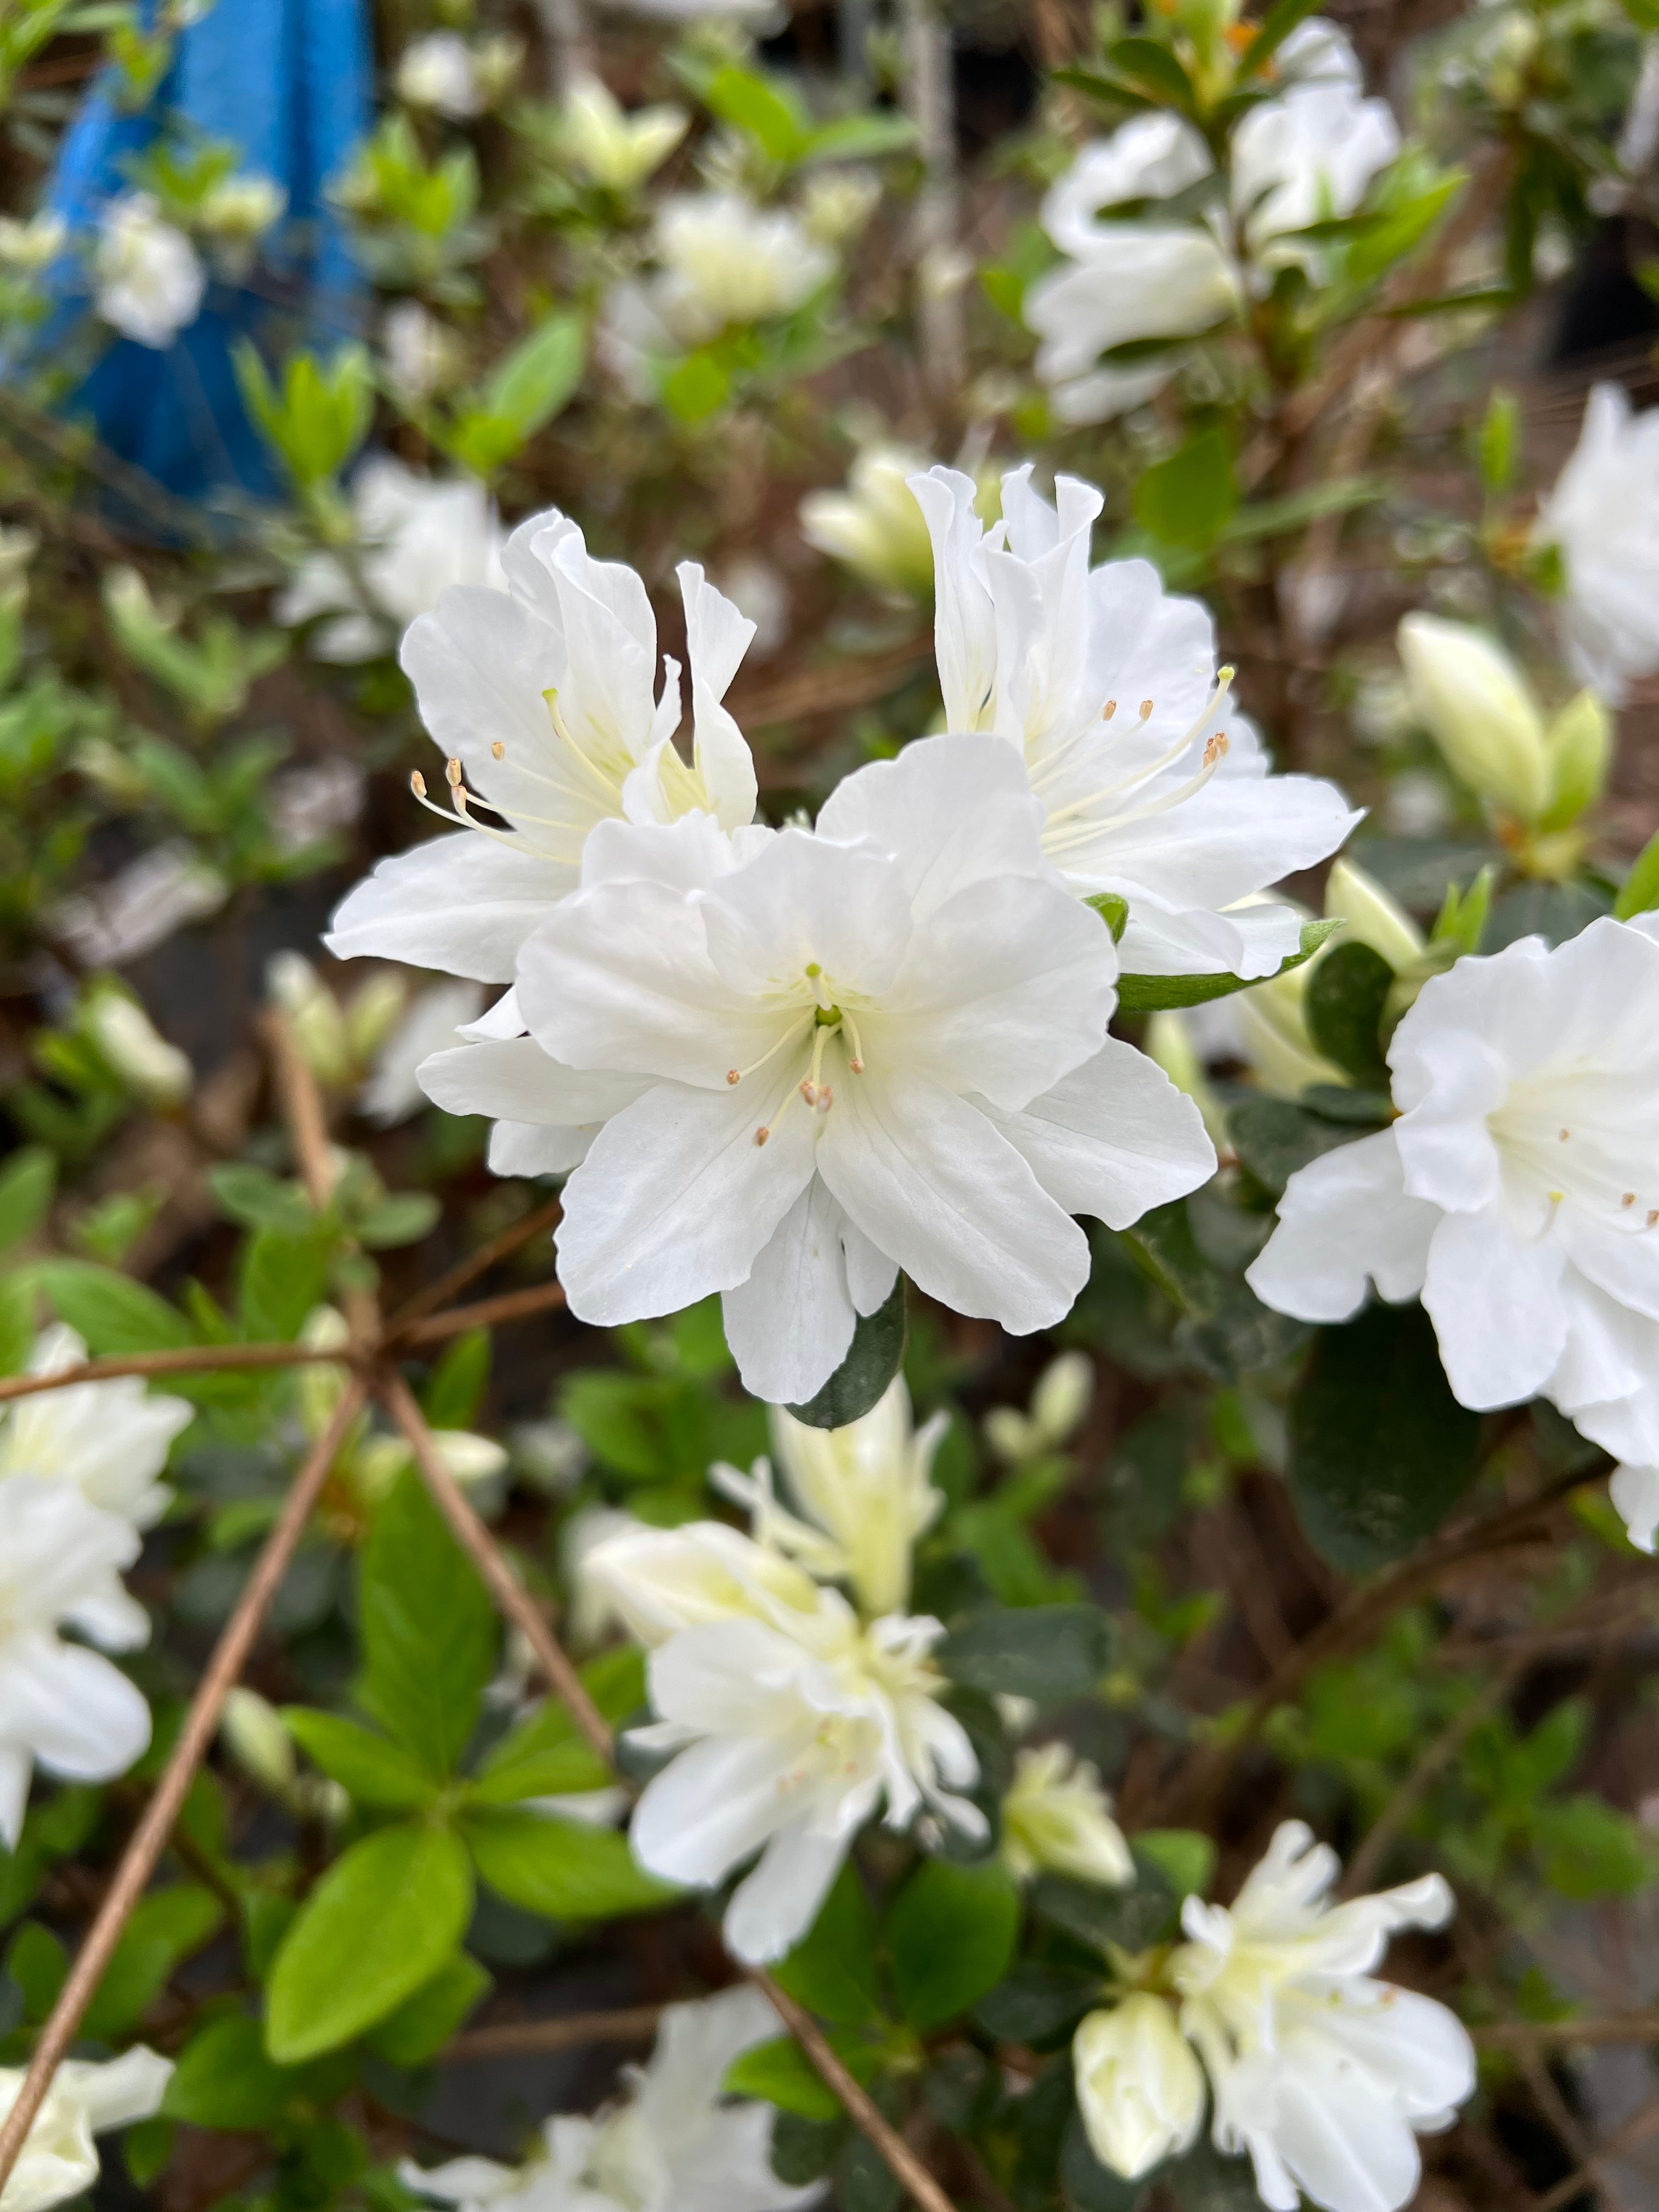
1543,2034
504,1586
485,1313
302,1109
866,2115
176,1359
149,1837
505,1241
634,2024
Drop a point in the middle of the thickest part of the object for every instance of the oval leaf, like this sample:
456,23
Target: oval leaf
872,1361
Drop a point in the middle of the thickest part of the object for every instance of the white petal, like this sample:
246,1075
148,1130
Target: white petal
1634,1491
954,809
789,1326
1345,1219
674,1199
773,1907
802,902
464,904
1495,1299
79,1717
514,1080
928,1178
1114,1137
17,1765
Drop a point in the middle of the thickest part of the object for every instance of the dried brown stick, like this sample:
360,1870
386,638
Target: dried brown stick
1543,2034
504,1586
302,1109
510,2038
484,1313
499,1247
176,1359
149,1837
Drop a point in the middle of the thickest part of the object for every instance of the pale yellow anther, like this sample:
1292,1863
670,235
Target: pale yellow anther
453,771
418,783
1146,710
733,1075
1109,710
761,1135
1629,1198
498,750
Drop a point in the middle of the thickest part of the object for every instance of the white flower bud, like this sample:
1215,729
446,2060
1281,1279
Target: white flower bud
256,1738
29,247
1369,916
439,72
610,147
1479,711
875,527
242,209
1062,1396
1140,2087
128,1041
313,1015
1580,742
836,203
1058,1816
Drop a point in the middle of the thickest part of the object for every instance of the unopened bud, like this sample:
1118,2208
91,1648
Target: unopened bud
1479,709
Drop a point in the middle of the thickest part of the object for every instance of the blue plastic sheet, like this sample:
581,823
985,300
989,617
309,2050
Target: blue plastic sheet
289,82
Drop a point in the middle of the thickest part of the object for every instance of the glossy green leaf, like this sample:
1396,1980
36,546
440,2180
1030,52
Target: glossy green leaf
428,1630
1639,893
224,2079
380,1923
832,1970
950,1935
1042,1652
1149,994
545,1755
373,1770
1187,499
167,1926
873,1359
562,1870
782,2074
423,2023
111,1312
1344,1004
26,1182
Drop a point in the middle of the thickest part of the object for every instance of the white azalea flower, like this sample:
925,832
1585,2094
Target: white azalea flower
117,1023
439,72
610,147
58,2158
1127,278
1325,2075
865,1490
786,1065
1056,1815
1153,787
876,527
724,260
1603,518
1635,1494
108,1440
434,1019
791,1722
670,2145
61,1704
418,536
422,355
148,280
1518,1193
31,246
546,695
1139,2088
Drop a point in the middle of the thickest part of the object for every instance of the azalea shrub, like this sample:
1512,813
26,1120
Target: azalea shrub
892,1436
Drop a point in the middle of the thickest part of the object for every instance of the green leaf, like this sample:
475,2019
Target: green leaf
1086,2185
1103,1919
562,1870
1185,1857
1153,70
1639,893
167,1927
1034,2001
544,1756
373,1770
1276,26
1151,994
782,2074
1112,911
874,1357
259,1200
454,1394
1274,1138
224,2080
404,1218
832,1970
540,376
282,1280
26,1186
1497,444
861,138
1187,499
761,109
147,2149
113,1314
696,388
39,1964
423,2023
1380,1451
1590,1849
1343,1003
1042,1652
16,1323
950,1934
380,1923
428,1628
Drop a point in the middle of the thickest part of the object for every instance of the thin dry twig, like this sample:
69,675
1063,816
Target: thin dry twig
176,1359
1548,2034
485,1313
517,2038
499,1247
149,1837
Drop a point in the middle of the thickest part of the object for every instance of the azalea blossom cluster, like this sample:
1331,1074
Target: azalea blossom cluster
79,1469
1322,2074
783,1064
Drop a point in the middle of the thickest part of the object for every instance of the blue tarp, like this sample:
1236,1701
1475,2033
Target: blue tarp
290,83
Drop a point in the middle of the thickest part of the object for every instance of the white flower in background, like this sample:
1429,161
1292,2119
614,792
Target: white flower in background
1057,1817
1059,1405
440,71
417,537
124,1034
1481,711
790,1720
148,281
724,260
423,355
1130,277
1152,786
108,1440
866,1491
783,1067
1635,1494
58,2158
670,2145
835,204
236,214
1518,1192
876,526
609,146
61,1706
29,247
1324,2075
546,695
1603,518
139,908
431,1023
1139,2088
